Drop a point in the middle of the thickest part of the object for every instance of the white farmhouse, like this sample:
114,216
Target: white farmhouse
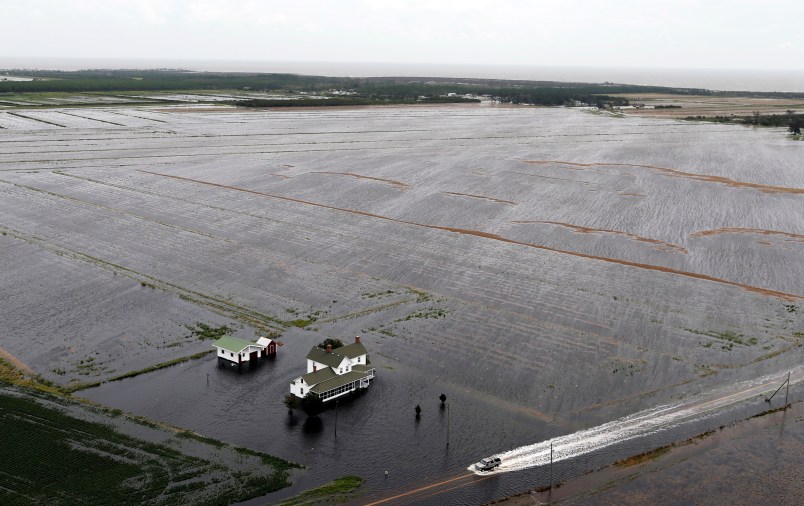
334,373
236,351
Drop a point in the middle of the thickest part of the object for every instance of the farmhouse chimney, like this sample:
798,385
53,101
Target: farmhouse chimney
329,348
357,339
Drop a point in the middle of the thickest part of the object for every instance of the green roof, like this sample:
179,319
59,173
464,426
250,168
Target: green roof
336,356
353,350
313,378
362,368
332,359
233,344
337,381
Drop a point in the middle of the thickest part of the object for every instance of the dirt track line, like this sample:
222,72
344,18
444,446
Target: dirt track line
677,173
483,197
392,182
585,183
735,230
91,119
477,233
588,230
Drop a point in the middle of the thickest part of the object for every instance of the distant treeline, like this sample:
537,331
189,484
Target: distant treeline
793,122
373,88
336,101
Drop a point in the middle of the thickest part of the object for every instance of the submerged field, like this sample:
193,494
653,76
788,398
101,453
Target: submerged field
60,452
548,269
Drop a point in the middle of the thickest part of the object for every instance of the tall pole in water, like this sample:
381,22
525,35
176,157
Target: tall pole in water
447,424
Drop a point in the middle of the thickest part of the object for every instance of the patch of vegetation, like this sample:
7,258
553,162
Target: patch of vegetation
704,370
428,313
335,343
131,374
643,457
371,295
421,296
335,492
793,122
770,411
627,368
300,323
186,434
312,404
726,335
791,308
350,101
204,332
51,457
9,374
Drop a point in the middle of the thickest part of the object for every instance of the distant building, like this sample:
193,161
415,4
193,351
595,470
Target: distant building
236,351
332,373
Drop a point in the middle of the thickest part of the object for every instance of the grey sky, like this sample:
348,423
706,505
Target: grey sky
625,33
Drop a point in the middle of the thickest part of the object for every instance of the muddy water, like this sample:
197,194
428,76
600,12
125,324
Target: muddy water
548,270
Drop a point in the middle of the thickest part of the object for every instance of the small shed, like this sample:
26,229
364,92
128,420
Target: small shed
238,351
269,346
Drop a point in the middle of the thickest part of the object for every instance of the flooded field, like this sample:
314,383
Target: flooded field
549,270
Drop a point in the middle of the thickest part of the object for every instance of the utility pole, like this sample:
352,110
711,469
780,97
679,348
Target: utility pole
787,390
447,424
785,382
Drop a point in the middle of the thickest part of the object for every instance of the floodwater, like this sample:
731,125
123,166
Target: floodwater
549,270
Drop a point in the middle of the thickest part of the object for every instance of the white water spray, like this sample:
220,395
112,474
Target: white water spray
637,425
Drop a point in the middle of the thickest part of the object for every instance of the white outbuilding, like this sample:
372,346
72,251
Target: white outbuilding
236,351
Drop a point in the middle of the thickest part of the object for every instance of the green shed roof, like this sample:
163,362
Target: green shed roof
233,344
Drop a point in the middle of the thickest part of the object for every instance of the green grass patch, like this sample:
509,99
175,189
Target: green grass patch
53,457
335,492
186,434
770,411
643,457
726,335
203,331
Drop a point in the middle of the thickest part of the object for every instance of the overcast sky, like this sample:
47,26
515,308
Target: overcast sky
651,33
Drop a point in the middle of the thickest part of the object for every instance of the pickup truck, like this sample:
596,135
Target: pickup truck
488,464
